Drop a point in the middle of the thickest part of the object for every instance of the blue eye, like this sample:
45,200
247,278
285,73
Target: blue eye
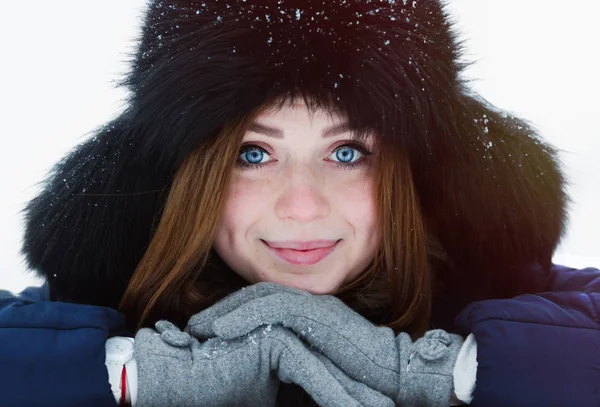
350,156
254,156
251,156
346,154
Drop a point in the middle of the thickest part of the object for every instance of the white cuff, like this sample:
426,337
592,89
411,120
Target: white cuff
132,382
465,370
119,354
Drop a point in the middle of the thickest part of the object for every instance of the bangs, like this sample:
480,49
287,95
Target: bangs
326,102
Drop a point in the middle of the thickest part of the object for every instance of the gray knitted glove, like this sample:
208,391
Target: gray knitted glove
412,374
175,369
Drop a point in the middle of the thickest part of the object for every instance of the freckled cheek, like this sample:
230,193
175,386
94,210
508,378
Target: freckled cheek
355,200
245,202
250,190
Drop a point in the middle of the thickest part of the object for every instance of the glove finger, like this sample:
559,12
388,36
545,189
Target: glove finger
163,326
201,324
297,364
149,342
362,393
171,334
289,309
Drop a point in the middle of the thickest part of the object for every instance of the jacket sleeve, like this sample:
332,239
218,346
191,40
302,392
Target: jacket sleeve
565,278
539,349
53,353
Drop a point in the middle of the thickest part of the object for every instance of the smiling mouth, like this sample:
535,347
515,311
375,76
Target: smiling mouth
302,257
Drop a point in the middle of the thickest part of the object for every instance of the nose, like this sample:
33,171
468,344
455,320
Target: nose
301,197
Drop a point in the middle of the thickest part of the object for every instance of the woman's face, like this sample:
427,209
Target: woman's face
300,210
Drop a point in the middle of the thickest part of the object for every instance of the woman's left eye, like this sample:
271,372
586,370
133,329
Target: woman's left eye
349,156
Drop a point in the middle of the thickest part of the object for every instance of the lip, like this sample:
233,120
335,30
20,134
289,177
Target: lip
302,253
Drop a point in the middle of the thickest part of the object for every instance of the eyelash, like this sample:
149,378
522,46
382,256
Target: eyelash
345,166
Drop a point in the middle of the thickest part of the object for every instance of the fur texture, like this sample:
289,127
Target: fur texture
491,189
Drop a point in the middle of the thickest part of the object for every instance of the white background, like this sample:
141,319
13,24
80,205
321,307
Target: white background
59,59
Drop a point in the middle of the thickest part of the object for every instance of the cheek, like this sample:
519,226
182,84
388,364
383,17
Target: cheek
242,209
245,207
243,203
356,203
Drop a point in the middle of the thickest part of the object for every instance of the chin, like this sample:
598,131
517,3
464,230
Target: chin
307,284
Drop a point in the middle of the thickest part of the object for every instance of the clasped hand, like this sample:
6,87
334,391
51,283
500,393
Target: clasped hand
239,350
362,357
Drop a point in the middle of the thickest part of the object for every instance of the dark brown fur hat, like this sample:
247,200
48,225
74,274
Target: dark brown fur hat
491,190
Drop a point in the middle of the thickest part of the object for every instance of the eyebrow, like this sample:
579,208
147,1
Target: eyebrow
278,133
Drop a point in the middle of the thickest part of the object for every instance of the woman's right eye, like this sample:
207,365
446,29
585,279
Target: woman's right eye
252,157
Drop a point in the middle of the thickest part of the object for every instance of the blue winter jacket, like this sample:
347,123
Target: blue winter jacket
52,353
533,350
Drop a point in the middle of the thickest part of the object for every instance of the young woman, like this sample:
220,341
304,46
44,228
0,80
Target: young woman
332,149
